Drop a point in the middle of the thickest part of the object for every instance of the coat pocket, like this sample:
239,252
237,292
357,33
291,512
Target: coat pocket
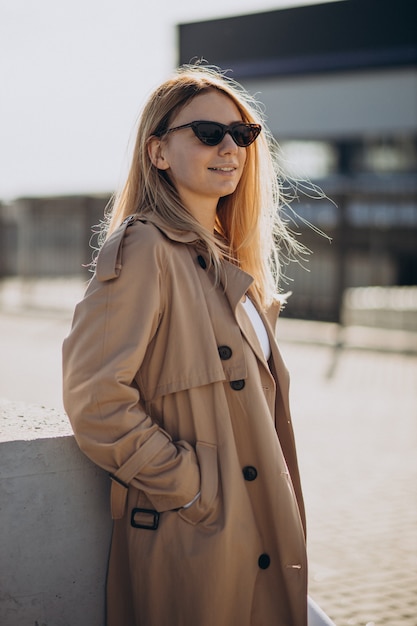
209,476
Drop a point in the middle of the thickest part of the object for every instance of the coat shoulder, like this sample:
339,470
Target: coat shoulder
133,235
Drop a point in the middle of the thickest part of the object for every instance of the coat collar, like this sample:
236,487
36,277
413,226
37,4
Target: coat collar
109,260
235,283
182,236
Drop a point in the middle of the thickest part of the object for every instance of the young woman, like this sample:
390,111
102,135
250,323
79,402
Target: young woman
173,381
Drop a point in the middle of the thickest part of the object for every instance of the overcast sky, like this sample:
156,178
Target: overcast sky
74,75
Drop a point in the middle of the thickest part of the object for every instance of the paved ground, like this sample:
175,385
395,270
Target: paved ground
356,427
357,440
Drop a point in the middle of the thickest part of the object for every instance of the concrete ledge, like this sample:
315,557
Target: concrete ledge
347,337
55,521
393,308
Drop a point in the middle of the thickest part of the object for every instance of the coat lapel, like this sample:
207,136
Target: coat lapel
236,284
282,376
278,366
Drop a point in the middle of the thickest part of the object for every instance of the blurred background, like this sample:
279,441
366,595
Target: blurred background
338,81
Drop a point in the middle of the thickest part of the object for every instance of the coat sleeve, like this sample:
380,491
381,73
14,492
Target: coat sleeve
111,331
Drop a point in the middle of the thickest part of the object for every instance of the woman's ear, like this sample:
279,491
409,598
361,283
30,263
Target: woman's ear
156,153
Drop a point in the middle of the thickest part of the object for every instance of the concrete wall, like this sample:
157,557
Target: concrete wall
55,523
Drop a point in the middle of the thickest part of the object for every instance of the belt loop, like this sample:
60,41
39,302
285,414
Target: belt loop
118,497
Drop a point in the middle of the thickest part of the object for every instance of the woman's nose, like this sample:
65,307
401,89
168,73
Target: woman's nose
227,144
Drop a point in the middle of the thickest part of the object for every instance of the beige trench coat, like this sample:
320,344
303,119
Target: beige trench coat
167,388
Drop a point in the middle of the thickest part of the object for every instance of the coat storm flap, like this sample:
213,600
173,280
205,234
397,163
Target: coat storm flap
168,390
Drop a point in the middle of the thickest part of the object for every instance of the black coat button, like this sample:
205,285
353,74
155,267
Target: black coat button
249,472
264,561
201,261
225,352
237,385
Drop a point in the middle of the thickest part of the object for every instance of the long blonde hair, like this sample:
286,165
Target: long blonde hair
249,230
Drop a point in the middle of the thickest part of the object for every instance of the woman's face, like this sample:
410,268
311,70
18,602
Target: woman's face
201,174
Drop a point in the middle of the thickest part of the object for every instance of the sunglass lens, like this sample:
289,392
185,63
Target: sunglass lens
210,133
244,134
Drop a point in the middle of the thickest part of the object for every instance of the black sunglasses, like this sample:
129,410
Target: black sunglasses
212,133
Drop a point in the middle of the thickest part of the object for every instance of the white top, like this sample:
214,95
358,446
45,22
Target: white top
258,326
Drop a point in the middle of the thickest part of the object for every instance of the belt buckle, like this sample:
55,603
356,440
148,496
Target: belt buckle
151,525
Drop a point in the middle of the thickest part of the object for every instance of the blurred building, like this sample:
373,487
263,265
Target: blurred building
339,85
50,236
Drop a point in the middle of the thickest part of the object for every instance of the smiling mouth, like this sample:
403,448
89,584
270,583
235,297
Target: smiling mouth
222,169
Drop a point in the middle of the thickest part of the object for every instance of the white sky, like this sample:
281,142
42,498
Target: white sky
73,77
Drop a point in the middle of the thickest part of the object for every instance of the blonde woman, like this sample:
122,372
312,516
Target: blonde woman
173,380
